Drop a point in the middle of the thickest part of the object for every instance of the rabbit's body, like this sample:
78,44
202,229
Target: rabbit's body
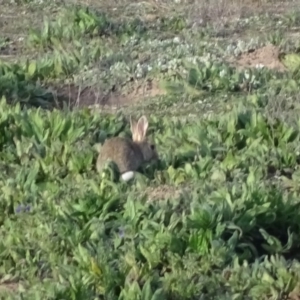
128,154
124,152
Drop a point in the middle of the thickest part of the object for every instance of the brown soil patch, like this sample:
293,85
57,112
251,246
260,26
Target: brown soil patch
9,287
77,96
295,294
163,192
8,49
268,56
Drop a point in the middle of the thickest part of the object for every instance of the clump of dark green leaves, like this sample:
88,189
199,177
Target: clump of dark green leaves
77,23
71,24
18,82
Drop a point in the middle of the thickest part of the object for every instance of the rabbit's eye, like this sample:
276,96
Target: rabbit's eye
152,147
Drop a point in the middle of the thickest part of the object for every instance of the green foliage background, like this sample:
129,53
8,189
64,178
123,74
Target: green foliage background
227,223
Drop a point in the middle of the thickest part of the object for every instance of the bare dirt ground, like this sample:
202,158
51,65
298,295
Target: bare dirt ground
267,56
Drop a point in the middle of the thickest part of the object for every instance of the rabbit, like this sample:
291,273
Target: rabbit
128,154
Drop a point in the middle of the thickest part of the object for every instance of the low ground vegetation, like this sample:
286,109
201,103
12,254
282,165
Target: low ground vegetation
217,217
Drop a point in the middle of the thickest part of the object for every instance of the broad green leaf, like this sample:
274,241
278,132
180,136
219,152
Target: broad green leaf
32,69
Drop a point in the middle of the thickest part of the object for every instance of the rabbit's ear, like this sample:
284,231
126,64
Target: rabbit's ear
133,126
141,129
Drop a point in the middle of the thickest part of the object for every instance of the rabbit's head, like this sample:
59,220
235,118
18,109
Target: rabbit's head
139,137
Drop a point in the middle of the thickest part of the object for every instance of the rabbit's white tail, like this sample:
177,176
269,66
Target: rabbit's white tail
127,175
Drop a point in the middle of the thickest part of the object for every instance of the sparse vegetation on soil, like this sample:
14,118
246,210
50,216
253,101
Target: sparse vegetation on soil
217,217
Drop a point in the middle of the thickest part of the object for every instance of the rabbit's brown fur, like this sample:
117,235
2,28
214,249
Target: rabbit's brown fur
128,154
